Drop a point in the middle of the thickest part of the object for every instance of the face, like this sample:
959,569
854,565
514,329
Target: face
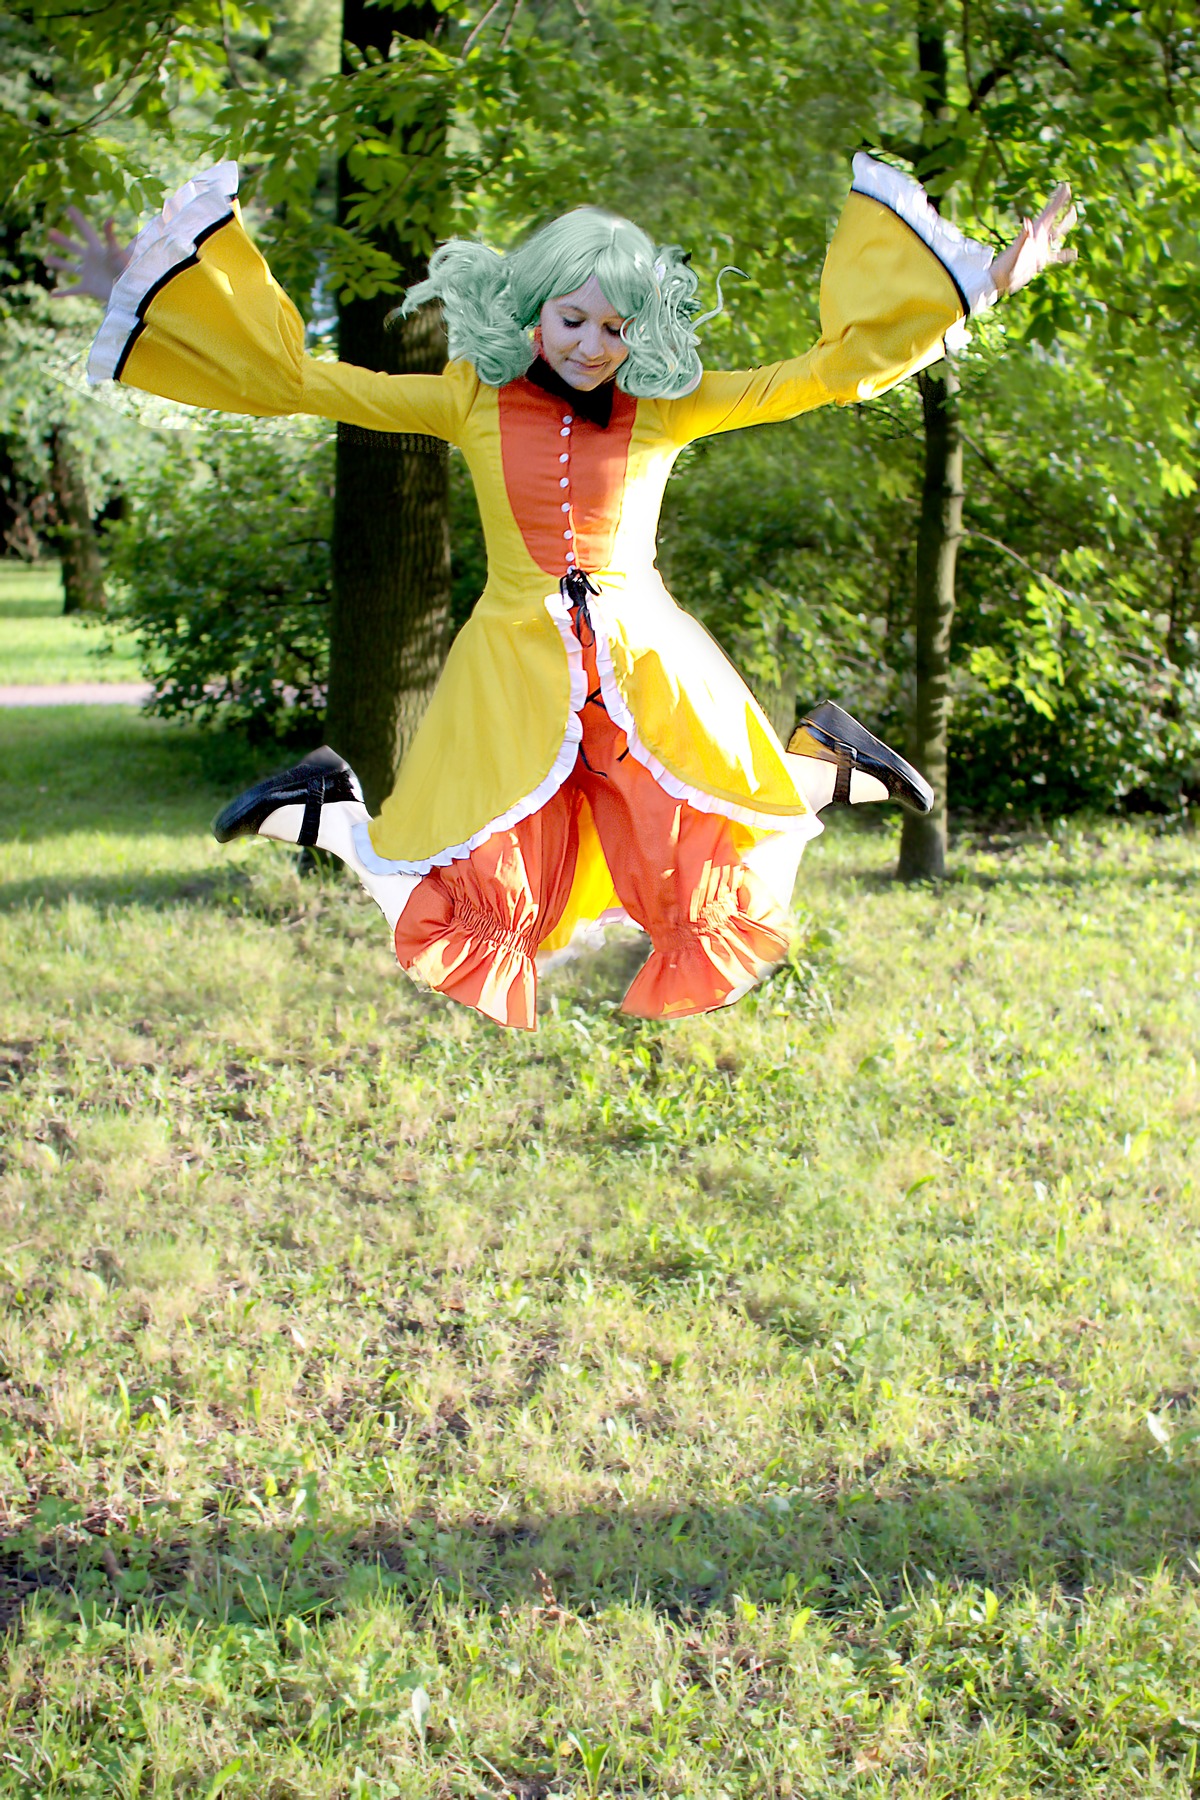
581,337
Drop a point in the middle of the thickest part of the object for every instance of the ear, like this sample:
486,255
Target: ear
537,340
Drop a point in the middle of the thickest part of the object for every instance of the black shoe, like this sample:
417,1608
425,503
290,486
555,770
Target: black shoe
831,735
321,777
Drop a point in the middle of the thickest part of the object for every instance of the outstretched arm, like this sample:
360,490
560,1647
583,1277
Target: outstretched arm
897,277
192,312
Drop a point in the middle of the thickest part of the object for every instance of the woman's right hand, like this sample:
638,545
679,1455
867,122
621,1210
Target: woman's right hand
94,261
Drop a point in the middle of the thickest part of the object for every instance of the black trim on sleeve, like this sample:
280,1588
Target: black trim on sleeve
156,288
963,301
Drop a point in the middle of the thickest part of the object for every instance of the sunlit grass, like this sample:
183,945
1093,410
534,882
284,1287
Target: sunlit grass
39,645
796,1401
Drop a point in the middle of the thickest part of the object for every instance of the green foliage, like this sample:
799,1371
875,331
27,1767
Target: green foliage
222,567
43,347
83,86
1079,606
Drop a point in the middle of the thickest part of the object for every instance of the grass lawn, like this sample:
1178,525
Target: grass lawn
38,645
797,1401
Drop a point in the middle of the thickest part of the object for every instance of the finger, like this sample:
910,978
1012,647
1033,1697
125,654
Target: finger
61,293
67,243
1069,218
1058,202
119,252
84,224
1023,236
60,262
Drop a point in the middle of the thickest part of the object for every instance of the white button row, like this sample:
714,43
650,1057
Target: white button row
564,482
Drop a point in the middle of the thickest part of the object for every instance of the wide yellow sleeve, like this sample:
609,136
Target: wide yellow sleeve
897,278
197,317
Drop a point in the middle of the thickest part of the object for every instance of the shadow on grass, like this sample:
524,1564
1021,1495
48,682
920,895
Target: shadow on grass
112,769
1074,879
838,1545
228,888
31,609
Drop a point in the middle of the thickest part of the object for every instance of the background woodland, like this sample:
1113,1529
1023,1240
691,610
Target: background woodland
995,564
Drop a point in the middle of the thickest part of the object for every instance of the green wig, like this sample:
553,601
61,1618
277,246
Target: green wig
491,302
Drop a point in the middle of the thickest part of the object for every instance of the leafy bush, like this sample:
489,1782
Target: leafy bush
796,546
223,568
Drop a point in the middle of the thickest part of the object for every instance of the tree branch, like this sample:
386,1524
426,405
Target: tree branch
475,31
1038,574
993,468
994,76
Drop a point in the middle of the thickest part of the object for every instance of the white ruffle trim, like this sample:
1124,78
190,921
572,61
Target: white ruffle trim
563,763
805,825
801,826
967,263
164,244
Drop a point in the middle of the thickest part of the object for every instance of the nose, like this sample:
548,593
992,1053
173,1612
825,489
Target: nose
593,341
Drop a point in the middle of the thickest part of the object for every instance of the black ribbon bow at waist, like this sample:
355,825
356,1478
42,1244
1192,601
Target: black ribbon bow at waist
575,587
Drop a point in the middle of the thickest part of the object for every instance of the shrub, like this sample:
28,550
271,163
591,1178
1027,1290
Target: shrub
222,566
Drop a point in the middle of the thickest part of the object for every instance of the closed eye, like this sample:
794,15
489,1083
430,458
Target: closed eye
574,324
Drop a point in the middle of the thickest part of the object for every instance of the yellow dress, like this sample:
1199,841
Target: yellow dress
198,318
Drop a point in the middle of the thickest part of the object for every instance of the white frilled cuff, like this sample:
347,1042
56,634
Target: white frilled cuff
163,247
968,264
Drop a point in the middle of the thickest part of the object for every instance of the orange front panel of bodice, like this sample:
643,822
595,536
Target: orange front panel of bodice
564,475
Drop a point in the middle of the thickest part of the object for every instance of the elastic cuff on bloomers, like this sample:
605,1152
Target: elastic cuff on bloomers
703,964
473,959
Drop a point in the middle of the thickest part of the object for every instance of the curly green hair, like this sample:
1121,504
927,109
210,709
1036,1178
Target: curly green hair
492,301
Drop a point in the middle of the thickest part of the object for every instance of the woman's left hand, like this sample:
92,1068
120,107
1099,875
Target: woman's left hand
1038,244
93,262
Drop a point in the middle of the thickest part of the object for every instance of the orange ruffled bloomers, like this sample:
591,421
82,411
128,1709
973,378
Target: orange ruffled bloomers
471,930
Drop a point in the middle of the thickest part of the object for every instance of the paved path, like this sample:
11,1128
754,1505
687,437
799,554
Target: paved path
78,693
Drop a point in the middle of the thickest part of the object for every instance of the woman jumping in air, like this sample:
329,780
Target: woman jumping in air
589,752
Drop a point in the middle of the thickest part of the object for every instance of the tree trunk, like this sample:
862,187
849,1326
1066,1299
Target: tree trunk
923,839
18,529
74,534
390,616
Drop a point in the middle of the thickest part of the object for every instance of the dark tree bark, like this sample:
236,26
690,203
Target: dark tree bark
20,509
74,533
390,617
923,839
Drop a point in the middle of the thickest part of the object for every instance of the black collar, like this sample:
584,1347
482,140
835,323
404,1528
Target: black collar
594,404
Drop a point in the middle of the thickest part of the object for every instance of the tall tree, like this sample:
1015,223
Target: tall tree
939,530
74,531
390,619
